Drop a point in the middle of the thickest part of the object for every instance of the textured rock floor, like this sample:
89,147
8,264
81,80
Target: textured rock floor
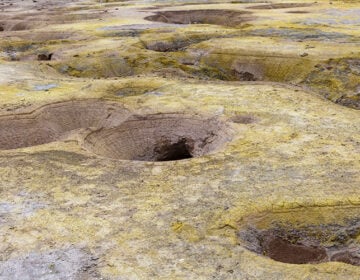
263,98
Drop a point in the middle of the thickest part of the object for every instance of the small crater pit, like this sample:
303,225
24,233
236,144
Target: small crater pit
298,12
247,71
163,46
52,122
280,6
243,119
218,17
306,236
161,137
18,25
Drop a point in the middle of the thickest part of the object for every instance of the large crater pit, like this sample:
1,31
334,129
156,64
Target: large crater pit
218,17
109,130
160,137
309,235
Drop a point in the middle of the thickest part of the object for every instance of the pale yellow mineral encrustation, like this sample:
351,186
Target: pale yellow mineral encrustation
179,139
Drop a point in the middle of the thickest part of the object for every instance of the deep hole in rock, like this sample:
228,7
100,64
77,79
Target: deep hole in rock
44,57
173,151
160,137
309,237
218,17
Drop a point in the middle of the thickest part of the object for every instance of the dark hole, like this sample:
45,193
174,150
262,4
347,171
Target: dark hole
1,28
173,151
245,76
44,57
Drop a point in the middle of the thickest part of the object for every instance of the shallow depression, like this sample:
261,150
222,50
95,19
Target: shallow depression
53,121
305,235
280,6
218,17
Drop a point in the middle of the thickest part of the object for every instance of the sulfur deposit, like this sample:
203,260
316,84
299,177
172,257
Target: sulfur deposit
179,139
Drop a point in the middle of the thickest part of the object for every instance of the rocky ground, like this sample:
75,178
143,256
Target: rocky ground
179,139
